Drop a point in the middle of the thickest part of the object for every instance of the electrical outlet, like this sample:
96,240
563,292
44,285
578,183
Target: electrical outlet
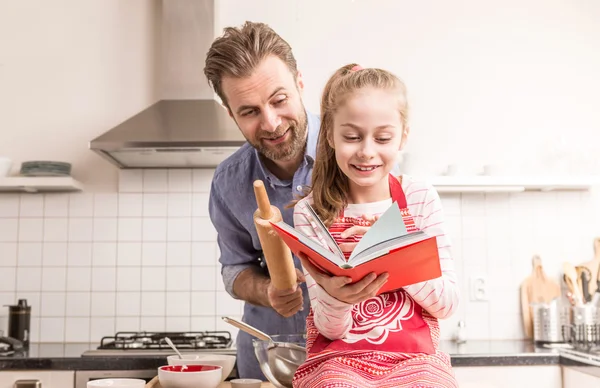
479,289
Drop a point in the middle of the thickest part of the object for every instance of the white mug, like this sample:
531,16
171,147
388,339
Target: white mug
117,383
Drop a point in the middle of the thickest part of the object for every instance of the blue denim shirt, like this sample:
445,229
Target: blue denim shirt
231,206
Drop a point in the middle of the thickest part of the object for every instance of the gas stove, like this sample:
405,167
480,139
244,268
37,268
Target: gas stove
144,343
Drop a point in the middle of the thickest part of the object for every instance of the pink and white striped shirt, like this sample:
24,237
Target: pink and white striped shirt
439,297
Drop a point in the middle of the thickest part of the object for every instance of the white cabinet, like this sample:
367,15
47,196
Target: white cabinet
526,376
578,377
48,379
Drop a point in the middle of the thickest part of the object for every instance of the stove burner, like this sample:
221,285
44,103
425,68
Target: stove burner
155,340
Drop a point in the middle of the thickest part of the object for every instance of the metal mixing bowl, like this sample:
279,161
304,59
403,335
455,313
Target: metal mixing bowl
279,359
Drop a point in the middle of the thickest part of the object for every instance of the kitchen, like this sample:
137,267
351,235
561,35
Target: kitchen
135,251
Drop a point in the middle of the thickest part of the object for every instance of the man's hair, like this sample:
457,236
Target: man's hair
240,50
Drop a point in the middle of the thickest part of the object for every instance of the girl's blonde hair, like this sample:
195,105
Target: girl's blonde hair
329,184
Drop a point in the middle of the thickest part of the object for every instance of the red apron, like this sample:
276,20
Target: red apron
392,321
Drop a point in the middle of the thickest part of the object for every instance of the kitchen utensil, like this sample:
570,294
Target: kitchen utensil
571,279
257,333
594,266
191,376
245,383
45,168
226,361
19,321
537,288
170,343
278,356
571,290
280,370
277,254
584,276
116,383
548,321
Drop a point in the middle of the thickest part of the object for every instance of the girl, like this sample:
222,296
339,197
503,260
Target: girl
354,338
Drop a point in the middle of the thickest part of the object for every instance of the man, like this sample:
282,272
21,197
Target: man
253,71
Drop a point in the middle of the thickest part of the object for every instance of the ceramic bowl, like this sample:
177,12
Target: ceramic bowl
245,383
190,376
117,383
226,361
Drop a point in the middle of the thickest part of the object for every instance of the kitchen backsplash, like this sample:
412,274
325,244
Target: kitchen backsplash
146,258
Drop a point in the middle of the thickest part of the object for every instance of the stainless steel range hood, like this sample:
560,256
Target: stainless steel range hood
172,134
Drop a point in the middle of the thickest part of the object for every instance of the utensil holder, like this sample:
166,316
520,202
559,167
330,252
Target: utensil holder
548,322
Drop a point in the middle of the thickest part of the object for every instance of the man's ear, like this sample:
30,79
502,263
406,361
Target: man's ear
300,82
405,133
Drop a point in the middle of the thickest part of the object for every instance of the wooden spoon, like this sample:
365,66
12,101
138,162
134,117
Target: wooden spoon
571,280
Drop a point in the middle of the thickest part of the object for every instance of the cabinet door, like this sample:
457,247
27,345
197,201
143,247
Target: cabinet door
578,377
547,376
49,379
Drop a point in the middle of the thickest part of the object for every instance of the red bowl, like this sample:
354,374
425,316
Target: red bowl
190,376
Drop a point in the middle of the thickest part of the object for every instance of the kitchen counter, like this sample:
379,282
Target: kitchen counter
58,356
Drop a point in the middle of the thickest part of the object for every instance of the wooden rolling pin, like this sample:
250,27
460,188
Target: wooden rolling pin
277,254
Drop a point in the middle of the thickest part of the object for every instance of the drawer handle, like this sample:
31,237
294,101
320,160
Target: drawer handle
27,384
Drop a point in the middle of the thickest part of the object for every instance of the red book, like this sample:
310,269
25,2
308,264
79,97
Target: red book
408,258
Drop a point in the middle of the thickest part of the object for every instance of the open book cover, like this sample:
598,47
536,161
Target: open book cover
409,258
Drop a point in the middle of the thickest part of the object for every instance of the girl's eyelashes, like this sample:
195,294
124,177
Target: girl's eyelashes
357,138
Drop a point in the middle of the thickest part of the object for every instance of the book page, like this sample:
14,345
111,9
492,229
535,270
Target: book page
309,243
333,246
390,225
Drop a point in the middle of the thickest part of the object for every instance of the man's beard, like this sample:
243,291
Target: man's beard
291,147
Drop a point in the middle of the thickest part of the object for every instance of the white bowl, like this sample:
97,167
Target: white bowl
117,383
5,165
245,383
190,376
226,361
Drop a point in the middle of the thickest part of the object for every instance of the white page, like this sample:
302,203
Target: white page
333,246
390,225
312,244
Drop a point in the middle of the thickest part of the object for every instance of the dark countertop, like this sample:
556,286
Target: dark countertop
59,356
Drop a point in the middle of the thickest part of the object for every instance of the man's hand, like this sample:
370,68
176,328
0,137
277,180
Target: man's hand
287,302
341,287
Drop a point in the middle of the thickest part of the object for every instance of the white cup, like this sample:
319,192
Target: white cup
5,165
117,383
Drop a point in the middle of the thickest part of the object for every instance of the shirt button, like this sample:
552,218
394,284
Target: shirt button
298,188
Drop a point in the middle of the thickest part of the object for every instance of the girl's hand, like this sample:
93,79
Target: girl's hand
341,287
356,230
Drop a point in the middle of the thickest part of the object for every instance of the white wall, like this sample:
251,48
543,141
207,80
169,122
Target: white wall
487,84
69,71
488,81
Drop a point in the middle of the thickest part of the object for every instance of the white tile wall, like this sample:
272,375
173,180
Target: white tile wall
145,258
